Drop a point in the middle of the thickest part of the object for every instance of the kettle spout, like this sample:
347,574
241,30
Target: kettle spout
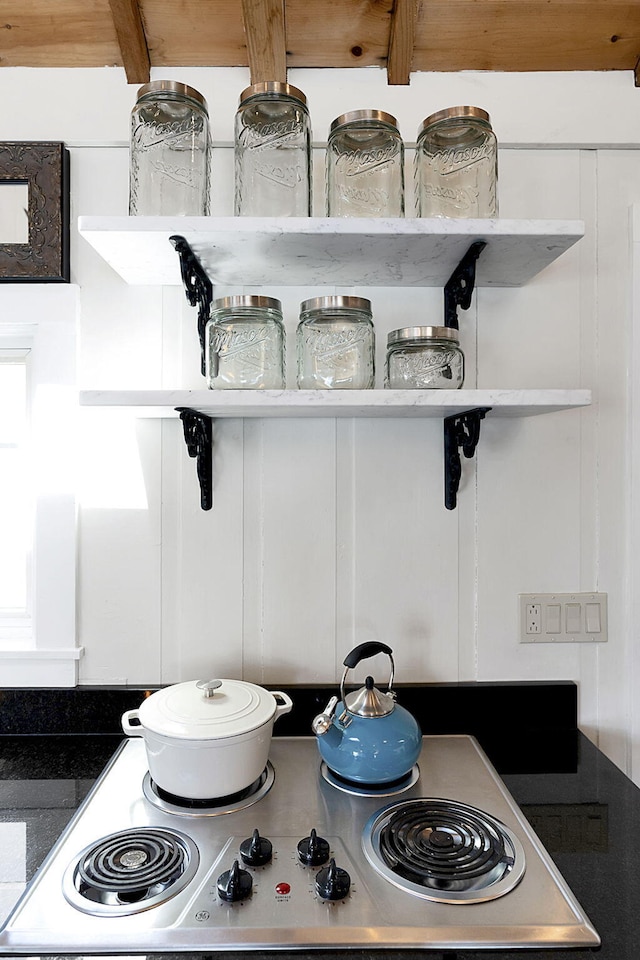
323,724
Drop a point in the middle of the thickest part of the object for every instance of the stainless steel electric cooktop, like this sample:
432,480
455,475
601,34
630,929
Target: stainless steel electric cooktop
301,859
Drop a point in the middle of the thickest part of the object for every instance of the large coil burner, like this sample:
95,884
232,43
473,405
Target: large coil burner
130,871
444,850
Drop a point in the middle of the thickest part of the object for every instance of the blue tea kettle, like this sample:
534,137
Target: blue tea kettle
366,737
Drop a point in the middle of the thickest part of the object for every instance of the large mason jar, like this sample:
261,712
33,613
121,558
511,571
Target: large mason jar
365,166
272,152
335,344
245,344
170,151
456,165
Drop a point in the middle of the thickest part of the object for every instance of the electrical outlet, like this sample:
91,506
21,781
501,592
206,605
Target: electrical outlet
563,617
533,621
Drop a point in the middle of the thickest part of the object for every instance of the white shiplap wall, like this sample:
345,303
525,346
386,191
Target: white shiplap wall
326,533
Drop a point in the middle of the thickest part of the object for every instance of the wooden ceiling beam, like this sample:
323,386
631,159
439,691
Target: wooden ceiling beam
131,40
401,41
266,46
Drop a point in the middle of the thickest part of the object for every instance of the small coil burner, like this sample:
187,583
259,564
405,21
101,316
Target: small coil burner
214,807
130,871
443,850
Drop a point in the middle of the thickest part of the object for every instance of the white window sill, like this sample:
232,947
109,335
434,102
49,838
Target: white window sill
22,666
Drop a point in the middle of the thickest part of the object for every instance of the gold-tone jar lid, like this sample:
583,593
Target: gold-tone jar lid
356,116
455,113
336,303
422,333
156,87
273,86
241,300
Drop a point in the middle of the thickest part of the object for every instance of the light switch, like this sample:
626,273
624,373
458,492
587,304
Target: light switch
572,617
593,622
553,617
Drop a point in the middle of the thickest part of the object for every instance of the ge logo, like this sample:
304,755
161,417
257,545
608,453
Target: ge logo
202,915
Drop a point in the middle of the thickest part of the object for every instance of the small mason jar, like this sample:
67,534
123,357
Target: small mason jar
170,152
335,344
456,165
244,342
365,166
272,152
424,358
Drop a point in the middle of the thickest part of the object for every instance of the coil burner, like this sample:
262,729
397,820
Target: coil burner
443,850
370,789
130,871
183,807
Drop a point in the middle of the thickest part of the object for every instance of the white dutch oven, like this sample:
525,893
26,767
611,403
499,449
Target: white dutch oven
207,738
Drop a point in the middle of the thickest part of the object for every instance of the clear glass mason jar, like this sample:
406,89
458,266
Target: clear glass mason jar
335,344
272,152
245,344
170,152
424,358
365,166
456,165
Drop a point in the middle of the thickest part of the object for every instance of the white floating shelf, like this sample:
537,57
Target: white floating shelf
338,403
302,251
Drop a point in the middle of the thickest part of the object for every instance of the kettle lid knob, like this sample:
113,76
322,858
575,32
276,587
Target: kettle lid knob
369,702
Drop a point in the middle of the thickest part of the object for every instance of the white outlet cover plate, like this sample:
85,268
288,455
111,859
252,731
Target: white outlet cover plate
580,631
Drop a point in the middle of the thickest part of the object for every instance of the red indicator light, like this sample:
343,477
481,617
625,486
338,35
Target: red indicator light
283,888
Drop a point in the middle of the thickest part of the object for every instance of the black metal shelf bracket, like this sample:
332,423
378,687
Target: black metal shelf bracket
461,432
198,435
458,289
198,288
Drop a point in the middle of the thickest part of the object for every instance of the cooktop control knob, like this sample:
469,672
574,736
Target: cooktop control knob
234,884
313,850
332,882
255,851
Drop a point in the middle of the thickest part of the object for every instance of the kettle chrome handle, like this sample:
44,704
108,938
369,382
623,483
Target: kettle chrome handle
362,652
323,721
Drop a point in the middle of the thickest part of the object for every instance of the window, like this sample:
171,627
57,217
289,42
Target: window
38,408
16,502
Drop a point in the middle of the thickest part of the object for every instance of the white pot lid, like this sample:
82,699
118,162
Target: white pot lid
207,709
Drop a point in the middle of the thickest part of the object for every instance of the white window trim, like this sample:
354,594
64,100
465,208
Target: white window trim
46,315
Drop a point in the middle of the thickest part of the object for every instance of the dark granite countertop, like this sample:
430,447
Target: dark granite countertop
586,812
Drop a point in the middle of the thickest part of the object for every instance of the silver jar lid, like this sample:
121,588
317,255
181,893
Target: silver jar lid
241,300
273,86
455,113
356,116
422,333
173,87
336,303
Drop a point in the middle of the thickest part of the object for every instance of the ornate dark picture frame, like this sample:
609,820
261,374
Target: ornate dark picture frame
44,167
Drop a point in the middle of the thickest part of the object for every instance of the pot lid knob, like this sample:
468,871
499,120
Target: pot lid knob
208,687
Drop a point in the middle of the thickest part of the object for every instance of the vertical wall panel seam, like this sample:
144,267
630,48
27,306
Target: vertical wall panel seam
243,551
337,597
596,466
589,421
476,552
632,500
